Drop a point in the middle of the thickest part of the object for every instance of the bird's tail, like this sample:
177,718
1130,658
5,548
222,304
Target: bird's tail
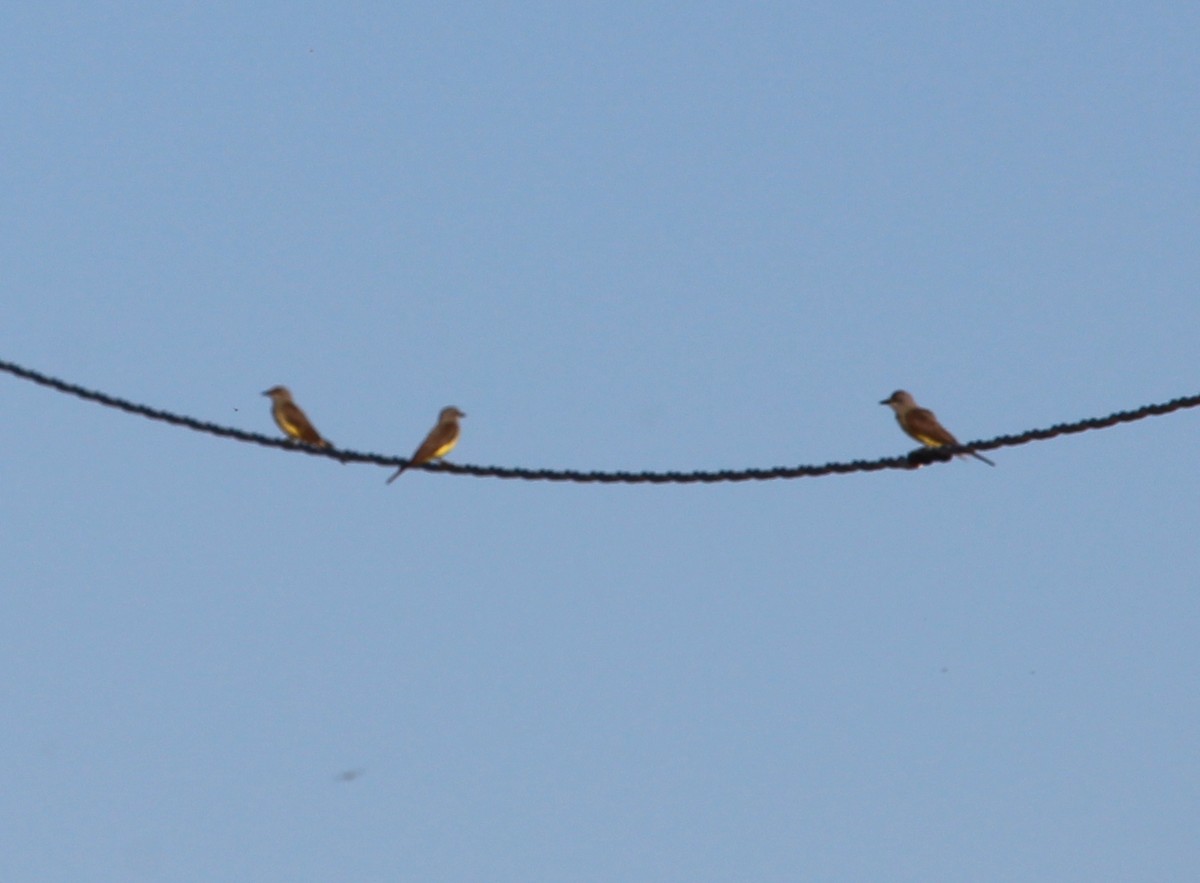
397,473
981,457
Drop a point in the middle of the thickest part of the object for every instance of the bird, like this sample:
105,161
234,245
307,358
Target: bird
923,425
291,419
440,441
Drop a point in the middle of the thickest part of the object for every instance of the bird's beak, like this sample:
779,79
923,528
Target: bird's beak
886,402
266,392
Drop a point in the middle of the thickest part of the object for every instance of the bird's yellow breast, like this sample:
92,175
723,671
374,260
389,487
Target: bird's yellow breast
290,428
445,449
928,441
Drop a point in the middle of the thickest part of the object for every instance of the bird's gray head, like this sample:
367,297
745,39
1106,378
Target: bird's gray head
900,401
450,413
278,394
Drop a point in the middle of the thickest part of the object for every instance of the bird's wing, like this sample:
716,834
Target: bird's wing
922,425
438,443
294,417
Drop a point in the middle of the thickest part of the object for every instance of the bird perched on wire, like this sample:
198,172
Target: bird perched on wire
440,441
292,420
921,424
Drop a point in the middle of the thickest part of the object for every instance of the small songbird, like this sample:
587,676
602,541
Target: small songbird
921,424
440,441
291,419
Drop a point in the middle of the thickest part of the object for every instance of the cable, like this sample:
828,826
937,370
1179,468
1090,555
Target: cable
919,457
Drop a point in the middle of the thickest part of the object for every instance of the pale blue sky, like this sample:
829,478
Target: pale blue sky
618,236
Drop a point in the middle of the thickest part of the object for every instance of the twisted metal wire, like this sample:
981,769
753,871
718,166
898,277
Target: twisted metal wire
919,457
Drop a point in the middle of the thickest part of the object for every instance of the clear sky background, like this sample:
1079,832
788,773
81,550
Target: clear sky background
618,236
